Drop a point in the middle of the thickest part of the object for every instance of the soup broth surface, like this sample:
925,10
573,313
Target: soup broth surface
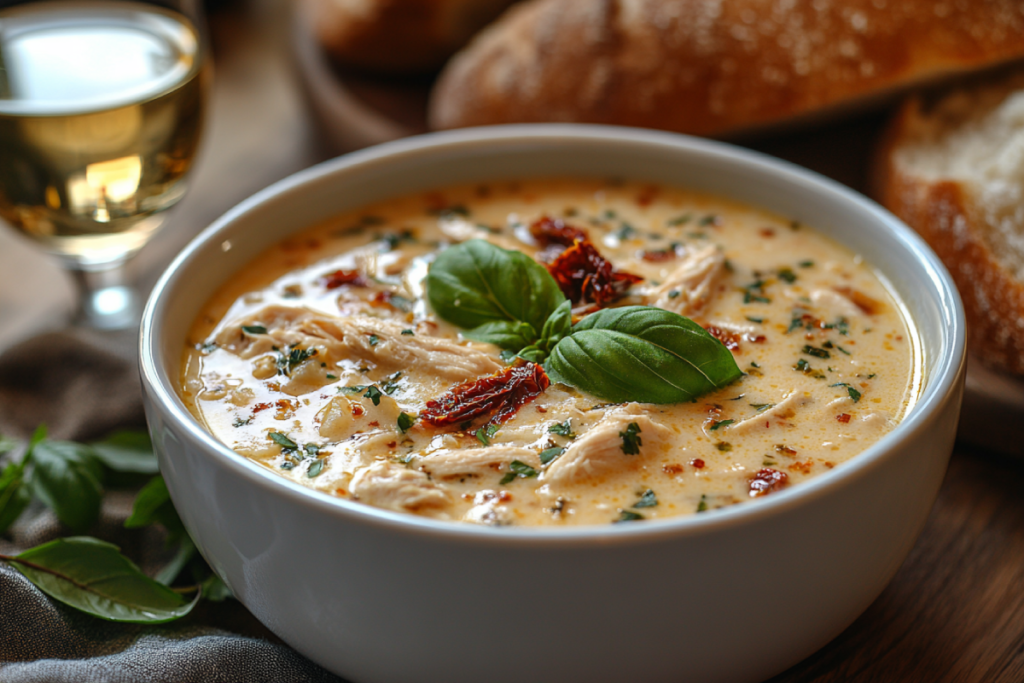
316,359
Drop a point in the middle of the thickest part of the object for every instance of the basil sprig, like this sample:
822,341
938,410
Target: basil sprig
635,353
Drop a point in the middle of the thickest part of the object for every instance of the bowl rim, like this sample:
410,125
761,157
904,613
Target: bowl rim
938,385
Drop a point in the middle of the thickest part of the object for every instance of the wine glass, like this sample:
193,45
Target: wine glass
101,109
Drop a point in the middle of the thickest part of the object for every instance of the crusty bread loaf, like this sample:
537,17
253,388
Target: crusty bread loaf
713,67
953,169
398,36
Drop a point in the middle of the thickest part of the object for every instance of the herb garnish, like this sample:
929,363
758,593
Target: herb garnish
702,506
647,500
720,423
631,441
291,358
484,434
374,394
283,441
816,352
254,329
549,454
853,393
633,353
563,429
628,516
405,422
518,469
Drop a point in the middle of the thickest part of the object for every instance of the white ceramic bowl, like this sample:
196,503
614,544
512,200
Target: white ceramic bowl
733,595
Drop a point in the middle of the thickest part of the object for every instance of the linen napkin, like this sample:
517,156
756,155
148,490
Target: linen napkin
84,384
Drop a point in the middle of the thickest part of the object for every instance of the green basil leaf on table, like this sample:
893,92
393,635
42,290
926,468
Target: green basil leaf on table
127,451
186,551
15,494
93,576
475,283
67,478
643,354
215,590
153,506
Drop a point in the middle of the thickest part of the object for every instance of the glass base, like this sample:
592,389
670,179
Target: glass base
105,301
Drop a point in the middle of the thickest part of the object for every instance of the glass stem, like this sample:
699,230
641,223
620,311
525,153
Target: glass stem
105,300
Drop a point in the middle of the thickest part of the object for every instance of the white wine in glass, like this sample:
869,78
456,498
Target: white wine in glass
101,109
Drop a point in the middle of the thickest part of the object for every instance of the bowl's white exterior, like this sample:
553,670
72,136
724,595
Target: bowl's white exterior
733,595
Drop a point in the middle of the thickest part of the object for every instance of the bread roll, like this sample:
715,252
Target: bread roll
953,169
713,67
398,36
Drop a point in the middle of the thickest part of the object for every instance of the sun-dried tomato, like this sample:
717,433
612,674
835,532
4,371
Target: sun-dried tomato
499,395
340,278
767,481
584,276
548,231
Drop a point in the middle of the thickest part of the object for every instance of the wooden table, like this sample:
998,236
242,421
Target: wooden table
955,610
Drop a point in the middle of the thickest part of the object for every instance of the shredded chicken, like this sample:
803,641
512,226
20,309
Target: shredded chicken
475,462
336,338
691,285
783,410
395,487
600,450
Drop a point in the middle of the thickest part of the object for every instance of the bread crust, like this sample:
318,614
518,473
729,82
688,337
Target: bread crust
713,67
398,36
946,213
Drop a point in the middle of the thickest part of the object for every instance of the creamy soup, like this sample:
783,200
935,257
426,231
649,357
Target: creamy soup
323,361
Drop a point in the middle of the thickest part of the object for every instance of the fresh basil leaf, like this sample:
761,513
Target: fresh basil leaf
215,590
475,283
186,551
643,354
14,494
533,353
153,506
67,477
93,576
511,335
557,326
127,451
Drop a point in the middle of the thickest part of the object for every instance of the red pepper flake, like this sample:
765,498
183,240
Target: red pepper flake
647,195
804,466
392,444
584,276
672,468
767,481
357,409
730,339
259,407
500,395
658,255
548,231
767,232
843,417
342,278
698,463
504,496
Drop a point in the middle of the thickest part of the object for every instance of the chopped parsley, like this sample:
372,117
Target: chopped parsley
815,351
673,294
647,500
853,393
787,275
631,441
289,359
283,441
754,293
724,446
405,422
563,429
680,220
207,347
710,219
394,239
374,394
374,340
625,231
806,264
330,376
408,333
761,407
518,469
628,516
755,320
311,449
702,506
391,386
315,468
484,434
254,329
720,423
549,454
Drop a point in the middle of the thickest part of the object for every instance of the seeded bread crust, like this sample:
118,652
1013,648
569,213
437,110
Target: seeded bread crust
714,67
398,36
978,241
